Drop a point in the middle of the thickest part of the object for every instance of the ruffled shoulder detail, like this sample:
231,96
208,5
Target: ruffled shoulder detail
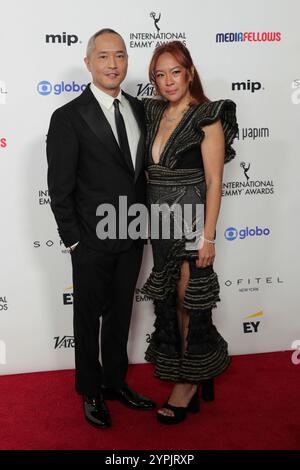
225,110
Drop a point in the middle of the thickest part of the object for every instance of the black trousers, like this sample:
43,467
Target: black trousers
104,286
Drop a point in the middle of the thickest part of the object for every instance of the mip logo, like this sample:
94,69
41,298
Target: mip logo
156,19
63,38
232,233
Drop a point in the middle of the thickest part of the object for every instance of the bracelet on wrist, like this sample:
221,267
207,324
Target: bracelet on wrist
212,242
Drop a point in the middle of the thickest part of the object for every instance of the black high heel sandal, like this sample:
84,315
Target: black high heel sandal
180,411
208,390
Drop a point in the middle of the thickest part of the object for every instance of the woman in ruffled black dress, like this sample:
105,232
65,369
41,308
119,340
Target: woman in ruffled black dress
188,141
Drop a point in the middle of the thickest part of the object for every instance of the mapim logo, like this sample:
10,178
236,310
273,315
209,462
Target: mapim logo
45,88
231,233
252,326
64,38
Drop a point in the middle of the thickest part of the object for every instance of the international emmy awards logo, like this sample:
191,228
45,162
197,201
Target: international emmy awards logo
246,169
156,20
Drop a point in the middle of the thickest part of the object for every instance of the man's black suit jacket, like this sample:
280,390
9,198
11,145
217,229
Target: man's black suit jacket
86,168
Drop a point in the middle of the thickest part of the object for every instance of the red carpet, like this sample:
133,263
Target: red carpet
257,406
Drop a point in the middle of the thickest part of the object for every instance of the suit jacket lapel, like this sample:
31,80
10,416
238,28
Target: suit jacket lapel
93,115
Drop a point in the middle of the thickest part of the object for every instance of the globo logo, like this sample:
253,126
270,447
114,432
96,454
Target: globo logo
232,233
45,88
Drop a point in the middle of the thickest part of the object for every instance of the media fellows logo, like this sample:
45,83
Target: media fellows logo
248,36
232,233
45,88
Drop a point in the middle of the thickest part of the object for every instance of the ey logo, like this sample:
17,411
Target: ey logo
68,297
252,326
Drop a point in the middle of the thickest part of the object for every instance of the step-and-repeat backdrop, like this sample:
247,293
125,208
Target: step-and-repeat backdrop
246,51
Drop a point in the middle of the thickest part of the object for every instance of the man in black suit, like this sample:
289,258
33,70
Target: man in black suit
95,151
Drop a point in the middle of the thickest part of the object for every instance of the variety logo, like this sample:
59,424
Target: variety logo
156,37
296,93
3,142
45,88
252,326
249,37
63,38
232,233
65,342
3,92
246,86
254,283
68,296
249,186
44,198
145,90
3,304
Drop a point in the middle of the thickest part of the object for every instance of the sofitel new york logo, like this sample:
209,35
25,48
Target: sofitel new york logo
248,186
156,37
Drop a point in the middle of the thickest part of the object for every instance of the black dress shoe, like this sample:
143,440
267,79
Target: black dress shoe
128,397
96,412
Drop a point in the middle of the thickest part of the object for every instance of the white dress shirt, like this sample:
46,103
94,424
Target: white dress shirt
107,105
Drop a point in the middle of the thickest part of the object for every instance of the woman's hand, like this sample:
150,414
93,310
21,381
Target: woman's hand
206,254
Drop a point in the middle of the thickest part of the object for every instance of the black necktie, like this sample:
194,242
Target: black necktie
122,134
